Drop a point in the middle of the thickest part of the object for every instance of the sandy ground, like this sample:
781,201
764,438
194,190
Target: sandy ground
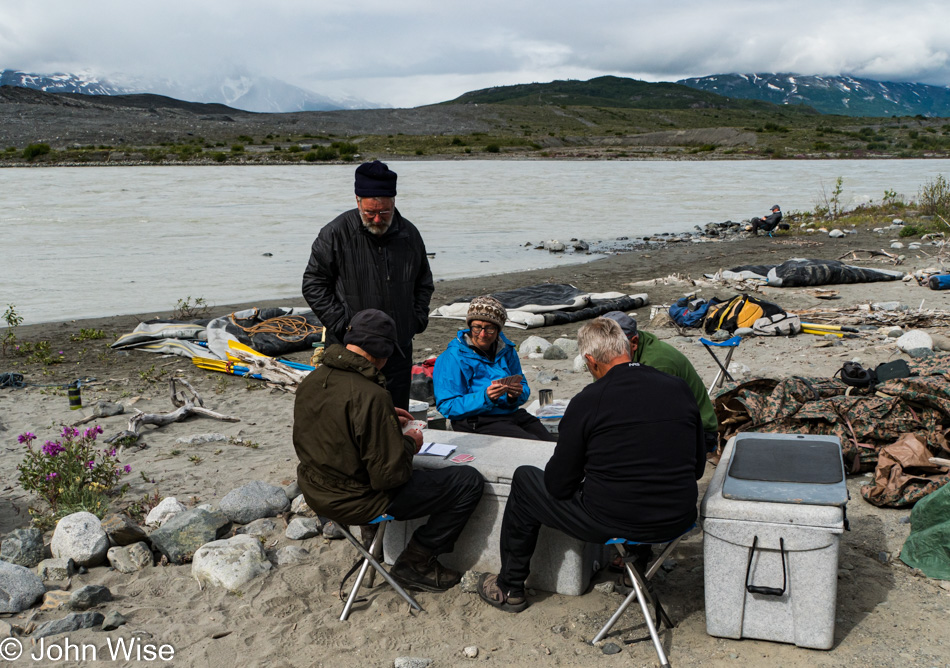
886,615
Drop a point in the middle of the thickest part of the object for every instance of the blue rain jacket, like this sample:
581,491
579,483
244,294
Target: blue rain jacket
461,377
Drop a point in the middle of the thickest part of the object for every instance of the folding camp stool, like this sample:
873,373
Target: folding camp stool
370,559
644,596
723,374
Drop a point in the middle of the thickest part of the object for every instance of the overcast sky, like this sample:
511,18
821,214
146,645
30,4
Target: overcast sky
411,52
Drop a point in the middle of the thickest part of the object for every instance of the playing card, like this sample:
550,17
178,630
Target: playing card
462,459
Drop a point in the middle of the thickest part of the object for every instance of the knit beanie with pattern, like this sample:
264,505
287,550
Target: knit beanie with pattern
488,309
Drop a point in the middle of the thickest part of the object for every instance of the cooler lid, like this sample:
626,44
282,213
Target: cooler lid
786,468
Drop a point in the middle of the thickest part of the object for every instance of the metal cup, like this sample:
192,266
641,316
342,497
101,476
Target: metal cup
545,397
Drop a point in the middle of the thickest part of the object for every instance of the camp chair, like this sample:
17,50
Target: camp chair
723,374
369,559
641,593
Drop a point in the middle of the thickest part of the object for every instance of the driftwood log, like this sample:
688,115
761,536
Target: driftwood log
187,405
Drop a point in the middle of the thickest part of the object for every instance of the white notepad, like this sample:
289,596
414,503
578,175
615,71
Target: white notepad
436,449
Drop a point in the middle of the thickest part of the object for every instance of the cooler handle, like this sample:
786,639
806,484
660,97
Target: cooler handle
768,591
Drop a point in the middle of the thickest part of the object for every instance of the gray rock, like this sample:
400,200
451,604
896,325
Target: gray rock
720,335
411,662
743,331
181,536
605,587
56,569
554,246
533,344
331,531
920,353
113,620
292,490
883,556
611,648
567,345
68,624
554,353
89,596
80,537
121,530
292,554
23,547
470,652
580,366
892,332
545,377
897,244
669,564
940,342
581,246
261,527
301,528
164,511
915,338
20,587
253,501
230,563
107,409
299,507
130,558
198,439
836,234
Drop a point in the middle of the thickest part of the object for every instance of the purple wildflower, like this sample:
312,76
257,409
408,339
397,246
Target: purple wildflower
26,437
51,476
90,464
52,448
70,432
127,468
112,452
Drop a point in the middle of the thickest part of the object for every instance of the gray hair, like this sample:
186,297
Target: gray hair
602,339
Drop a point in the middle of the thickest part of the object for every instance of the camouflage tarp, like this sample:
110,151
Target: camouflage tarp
864,421
904,473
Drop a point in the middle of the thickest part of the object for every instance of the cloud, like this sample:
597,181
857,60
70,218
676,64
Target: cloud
422,51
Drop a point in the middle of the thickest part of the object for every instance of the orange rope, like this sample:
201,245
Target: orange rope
289,328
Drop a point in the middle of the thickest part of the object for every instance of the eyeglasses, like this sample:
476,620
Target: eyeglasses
478,329
372,214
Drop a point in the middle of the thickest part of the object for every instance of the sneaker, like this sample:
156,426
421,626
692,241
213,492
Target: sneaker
490,592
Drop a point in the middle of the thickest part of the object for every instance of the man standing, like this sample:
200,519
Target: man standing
626,464
356,464
645,348
372,257
768,223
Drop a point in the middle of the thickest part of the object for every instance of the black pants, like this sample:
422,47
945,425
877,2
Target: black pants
529,506
762,224
398,372
448,496
520,424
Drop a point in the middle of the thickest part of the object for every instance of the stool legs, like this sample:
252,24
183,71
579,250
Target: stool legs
370,560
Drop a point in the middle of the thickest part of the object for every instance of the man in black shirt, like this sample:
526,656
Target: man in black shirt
768,223
630,451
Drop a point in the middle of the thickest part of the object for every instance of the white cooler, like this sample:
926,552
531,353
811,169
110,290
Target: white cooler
772,520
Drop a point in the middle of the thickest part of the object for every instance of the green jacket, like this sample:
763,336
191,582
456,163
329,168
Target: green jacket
664,357
351,449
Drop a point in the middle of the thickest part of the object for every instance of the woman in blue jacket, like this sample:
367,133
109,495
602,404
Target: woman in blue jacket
466,378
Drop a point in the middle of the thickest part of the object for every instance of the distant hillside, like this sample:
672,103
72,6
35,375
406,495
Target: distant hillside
236,89
843,95
608,92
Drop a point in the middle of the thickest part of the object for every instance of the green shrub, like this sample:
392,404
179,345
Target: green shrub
35,150
909,231
237,148
345,148
294,148
935,196
493,148
218,156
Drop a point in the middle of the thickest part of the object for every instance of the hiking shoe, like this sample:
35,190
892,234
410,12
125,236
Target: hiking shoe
490,592
417,568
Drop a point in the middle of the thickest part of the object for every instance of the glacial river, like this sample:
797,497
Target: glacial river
97,241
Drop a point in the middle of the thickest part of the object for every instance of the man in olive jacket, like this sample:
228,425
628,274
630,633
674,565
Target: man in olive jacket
356,464
372,257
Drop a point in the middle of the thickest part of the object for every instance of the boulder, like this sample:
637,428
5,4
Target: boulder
122,530
533,344
113,620
554,353
80,537
55,599
915,338
301,528
300,507
20,587
68,624
164,511
836,234
56,569
23,547
261,527
107,409
230,563
89,596
130,558
183,534
567,345
253,501
580,365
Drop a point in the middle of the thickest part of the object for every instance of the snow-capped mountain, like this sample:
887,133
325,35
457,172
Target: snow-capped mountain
262,94
848,96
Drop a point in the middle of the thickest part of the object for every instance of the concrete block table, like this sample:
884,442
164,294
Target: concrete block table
560,564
